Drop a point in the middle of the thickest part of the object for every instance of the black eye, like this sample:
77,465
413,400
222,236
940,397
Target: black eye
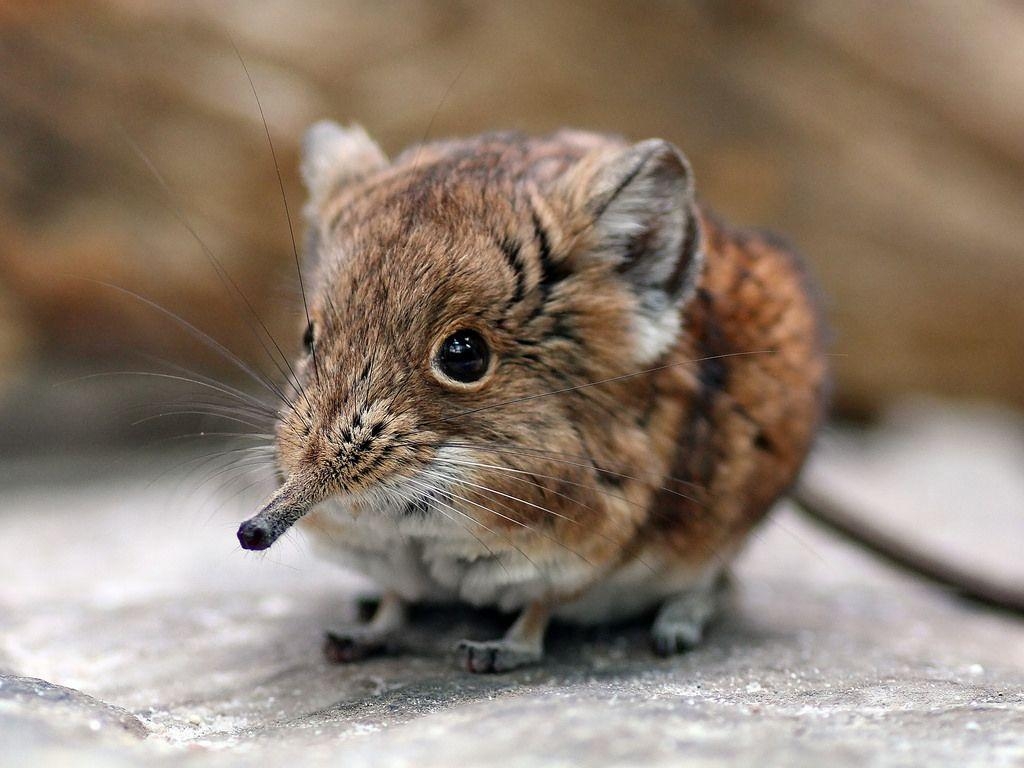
464,356
307,338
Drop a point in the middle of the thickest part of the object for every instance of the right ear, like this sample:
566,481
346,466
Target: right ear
638,212
333,156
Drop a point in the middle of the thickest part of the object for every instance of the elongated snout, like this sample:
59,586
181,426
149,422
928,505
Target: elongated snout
285,507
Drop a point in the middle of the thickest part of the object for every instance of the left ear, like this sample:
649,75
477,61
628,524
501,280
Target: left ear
333,156
640,207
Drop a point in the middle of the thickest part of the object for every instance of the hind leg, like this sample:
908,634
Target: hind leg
681,622
359,641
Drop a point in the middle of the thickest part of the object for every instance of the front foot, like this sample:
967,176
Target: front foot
521,646
348,644
497,655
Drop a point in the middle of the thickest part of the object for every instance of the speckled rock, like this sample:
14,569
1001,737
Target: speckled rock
134,594
30,697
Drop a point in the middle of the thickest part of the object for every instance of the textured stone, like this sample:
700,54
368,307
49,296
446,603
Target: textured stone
133,594
31,697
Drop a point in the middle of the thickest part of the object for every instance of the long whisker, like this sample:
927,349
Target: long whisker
242,413
588,461
222,413
153,374
652,509
437,111
512,519
531,453
225,277
233,495
472,519
222,416
523,476
240,394
499,502
574,483
594,488
514,498
241,417
201,336
193,435
708,508
250,459
214,407
242,462
201,460
284,200
431,501
516,475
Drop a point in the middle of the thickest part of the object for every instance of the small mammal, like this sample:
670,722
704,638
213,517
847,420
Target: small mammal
538,376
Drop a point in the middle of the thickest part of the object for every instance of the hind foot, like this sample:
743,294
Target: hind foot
521,646
348,644
682,620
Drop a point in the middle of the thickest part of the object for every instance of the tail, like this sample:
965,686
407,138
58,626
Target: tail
843,518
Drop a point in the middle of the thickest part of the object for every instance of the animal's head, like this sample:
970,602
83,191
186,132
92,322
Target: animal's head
450,293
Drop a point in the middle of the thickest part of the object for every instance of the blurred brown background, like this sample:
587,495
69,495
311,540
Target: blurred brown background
885,139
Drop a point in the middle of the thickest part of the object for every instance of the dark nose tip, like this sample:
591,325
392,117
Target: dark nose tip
252,535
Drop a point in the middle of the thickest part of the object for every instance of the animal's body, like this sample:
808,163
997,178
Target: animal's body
539,376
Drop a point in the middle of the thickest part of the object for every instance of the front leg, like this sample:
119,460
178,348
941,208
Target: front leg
357,642
522,645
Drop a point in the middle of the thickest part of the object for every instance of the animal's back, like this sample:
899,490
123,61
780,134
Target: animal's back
750,376
755,392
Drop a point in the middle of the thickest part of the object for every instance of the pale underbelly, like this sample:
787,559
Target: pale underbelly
429,560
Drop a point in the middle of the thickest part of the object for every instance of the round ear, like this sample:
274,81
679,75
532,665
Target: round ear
332,157
641,204
638,204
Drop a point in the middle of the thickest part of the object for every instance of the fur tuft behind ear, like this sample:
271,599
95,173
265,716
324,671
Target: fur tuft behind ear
640,203
333,156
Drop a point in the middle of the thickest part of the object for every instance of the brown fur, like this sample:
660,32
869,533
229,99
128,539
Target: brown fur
497,233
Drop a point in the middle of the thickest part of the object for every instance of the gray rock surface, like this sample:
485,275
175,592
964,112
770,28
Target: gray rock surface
31,697
127,588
